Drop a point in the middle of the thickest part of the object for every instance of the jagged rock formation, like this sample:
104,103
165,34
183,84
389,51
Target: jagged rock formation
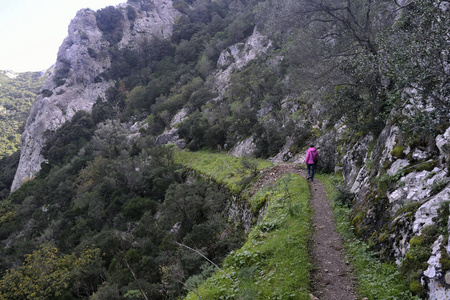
76,82
422,186
237,56
232,59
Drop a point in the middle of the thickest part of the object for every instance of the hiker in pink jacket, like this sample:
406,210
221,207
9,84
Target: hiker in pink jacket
312,157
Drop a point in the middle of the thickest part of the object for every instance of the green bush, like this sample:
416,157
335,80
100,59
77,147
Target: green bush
109,21
8,166
137,207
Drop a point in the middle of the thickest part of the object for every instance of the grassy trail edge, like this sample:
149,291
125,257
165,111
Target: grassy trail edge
375,279
274,263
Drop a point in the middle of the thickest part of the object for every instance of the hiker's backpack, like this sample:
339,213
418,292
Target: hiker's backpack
315,158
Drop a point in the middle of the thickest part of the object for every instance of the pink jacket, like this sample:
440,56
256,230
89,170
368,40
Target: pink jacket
310,155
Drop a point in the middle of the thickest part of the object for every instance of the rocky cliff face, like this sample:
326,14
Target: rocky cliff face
76,82
401,191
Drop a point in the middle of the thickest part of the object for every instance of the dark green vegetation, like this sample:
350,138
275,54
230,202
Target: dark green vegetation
110,214
125,202
175,72
334,59
8,166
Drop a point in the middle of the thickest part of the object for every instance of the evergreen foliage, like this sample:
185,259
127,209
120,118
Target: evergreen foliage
8,166
109,21
17,94
416,54
47,274
127,198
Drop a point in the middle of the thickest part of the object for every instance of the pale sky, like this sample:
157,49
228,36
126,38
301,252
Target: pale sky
31,31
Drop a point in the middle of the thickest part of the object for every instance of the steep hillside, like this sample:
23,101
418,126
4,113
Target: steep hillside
366,81
17,94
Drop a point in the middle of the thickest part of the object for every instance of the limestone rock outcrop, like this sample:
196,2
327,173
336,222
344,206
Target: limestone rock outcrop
419,180
77,82
237,56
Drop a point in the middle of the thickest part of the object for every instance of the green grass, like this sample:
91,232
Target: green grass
234,172
376,279
274,262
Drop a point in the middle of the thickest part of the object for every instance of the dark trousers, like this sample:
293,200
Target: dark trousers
310,169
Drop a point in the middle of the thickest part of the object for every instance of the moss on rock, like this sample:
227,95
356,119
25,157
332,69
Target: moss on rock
398,152
426,166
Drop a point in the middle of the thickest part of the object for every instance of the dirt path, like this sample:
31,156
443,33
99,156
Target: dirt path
332,277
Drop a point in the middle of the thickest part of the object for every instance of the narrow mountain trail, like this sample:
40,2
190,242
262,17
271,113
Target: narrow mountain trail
332,277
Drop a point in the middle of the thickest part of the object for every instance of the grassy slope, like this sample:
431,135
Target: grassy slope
224,169
274,262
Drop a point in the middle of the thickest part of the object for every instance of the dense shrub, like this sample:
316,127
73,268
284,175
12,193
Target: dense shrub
109,21
193,131
8,167
61,71
69,138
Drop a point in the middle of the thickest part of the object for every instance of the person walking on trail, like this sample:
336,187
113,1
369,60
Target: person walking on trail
312,157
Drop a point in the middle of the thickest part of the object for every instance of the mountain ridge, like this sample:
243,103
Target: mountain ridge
75,83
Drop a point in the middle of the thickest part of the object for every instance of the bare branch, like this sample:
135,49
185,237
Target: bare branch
210,261
134,276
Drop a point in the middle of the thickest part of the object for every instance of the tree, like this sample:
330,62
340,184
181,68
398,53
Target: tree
192,204
47,274
332,49
109,21
138,100
110,139
69,138
417,55
343,24
8,166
